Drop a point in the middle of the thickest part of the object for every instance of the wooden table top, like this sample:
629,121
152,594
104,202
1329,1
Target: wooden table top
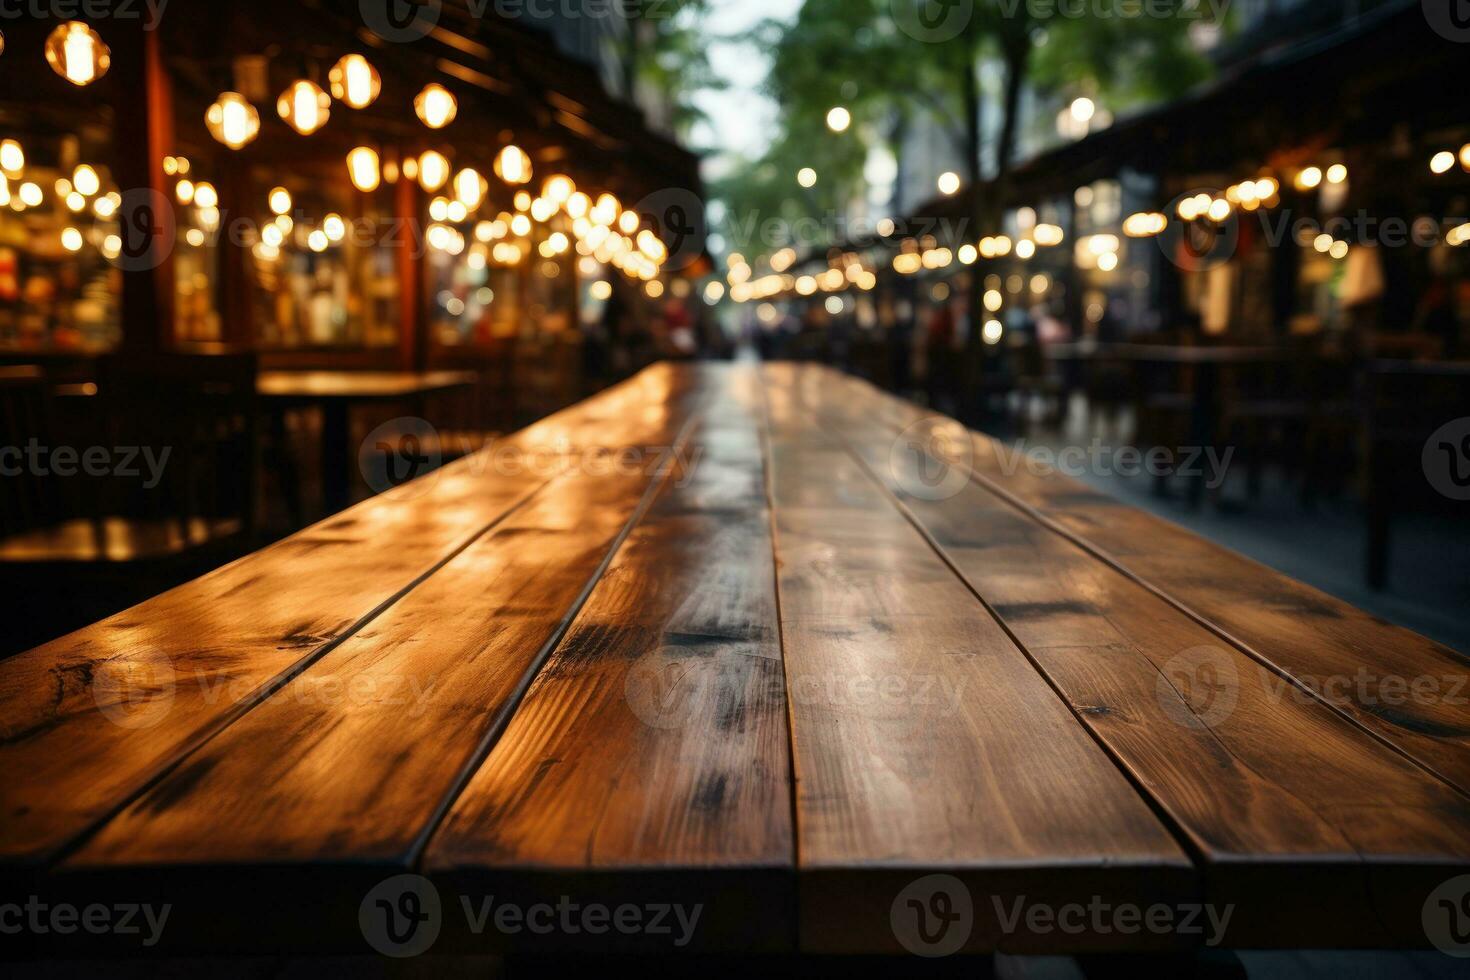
356,385
836,648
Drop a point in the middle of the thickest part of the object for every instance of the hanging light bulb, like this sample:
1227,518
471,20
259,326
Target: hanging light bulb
12,158
558,189
304,107
232,120
513,166
362,167
355,81
205,196
436,106
85,180
280,200
77,53
469,188
433,170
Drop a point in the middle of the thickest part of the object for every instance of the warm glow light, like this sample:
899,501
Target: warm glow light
436,106
75,202
578,205
1309,178
949,183
1337,174
1218,210
362,168
30,194
838,119
542,209
104,207
85,180
334,227
992,332
600,290
1083,110
205,196
355,81
184,191
628,222
806,177
232,120
1025,248
655,289
1442,162
469,188
513,165
1108,261
558,189
71,240
714,292
304,107
77,53
433,170
317,241
12,158
1465,156
967,254
280,200
520,226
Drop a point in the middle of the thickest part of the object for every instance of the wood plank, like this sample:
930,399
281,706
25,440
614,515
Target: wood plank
649,760
924,741
1318,833
91,718
1404,688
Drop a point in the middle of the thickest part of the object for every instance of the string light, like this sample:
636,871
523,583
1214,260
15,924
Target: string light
433,170
838,119
232,120
512,165
469,188
304,107
77,53
355,81
436,106
85,180
280,201
362,169
12,158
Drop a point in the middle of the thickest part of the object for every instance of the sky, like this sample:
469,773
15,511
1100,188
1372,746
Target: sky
742,118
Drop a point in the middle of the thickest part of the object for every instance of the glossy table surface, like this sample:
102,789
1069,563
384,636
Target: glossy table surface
772,651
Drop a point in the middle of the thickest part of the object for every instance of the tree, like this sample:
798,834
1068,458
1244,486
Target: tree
909,57
664,51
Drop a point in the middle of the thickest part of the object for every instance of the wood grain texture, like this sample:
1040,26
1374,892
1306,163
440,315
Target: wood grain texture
924,741
1307,825
650,755
87,720
1364,666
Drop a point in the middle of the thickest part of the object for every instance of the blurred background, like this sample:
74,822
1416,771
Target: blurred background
260,261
